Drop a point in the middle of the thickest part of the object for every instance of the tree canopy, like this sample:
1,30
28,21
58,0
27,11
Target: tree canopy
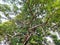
30,21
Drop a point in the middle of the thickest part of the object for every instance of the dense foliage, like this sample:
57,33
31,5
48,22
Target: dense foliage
32,22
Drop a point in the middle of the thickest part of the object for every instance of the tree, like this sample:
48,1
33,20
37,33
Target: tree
35,21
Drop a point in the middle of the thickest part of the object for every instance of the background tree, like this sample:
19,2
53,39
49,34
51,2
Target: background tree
32,22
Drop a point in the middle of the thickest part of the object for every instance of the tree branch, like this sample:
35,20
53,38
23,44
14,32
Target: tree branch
31,28
26,41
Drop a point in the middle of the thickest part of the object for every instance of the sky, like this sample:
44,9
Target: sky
11,6
1,13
